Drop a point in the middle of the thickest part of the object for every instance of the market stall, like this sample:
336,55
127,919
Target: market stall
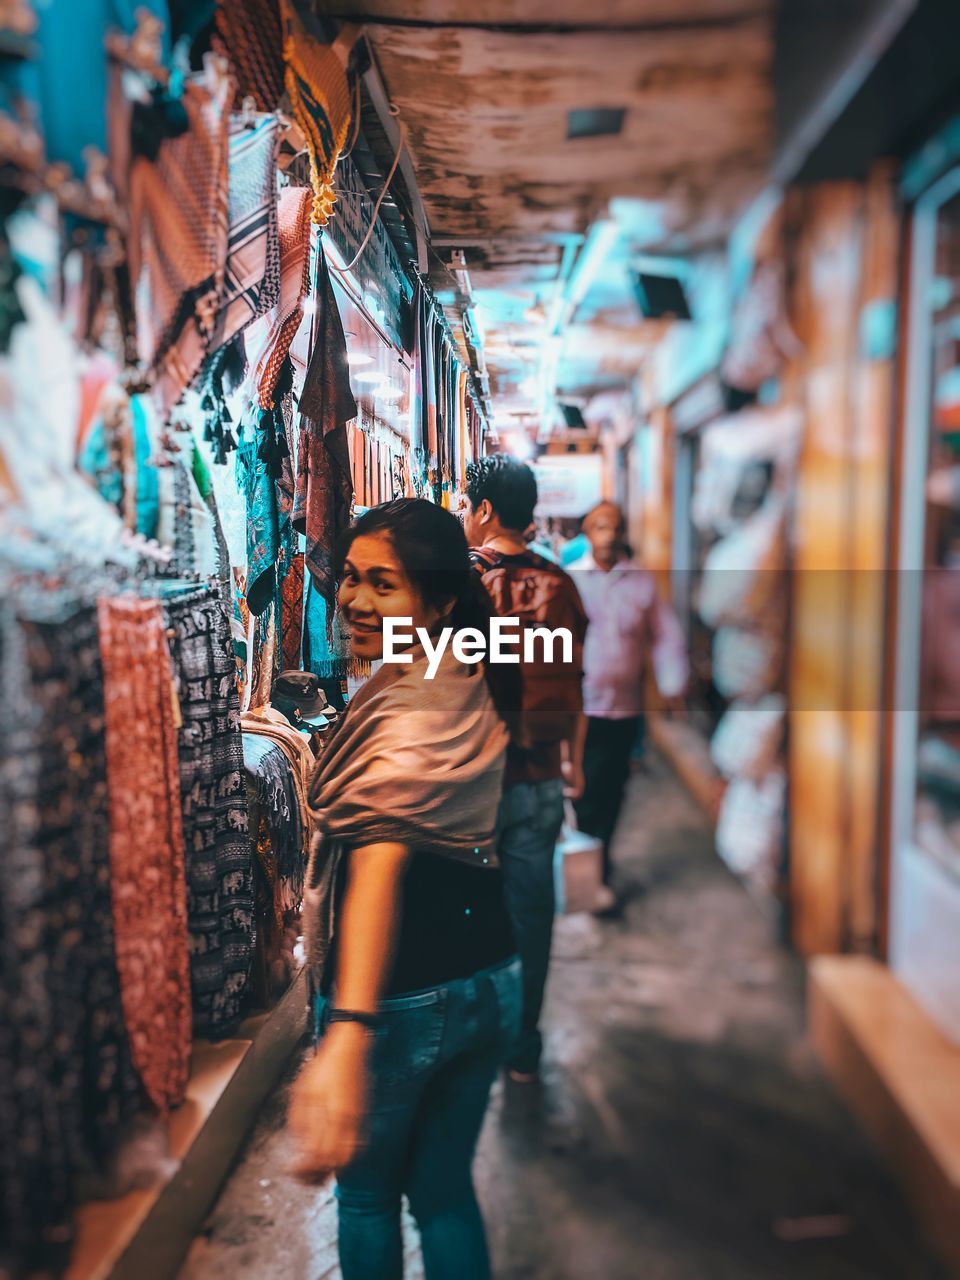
206,364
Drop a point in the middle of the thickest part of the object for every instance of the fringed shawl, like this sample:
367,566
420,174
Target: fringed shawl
414,762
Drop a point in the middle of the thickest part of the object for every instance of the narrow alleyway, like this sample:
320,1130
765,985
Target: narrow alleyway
683,1130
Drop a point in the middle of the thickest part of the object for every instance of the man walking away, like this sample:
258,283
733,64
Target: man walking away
545,759
629,626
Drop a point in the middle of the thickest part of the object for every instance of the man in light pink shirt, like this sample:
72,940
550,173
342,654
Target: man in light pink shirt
630,627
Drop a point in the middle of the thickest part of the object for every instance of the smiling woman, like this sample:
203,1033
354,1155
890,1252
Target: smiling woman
408,562
407,931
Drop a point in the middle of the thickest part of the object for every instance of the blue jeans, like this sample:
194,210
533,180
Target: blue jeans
432,1064
531,815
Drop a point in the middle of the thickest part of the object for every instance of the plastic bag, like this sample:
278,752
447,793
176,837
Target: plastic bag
747,740
750,828
746,664
743,572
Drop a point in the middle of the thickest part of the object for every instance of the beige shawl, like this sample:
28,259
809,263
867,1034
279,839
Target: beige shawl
414,761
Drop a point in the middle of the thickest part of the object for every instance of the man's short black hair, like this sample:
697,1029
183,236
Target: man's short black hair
508,485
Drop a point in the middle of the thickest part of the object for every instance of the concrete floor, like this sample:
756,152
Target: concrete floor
683,1130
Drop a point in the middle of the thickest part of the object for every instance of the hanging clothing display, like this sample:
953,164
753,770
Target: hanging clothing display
178,239
275,803
153,797
146,844
324,488
252,38
216,840
68,1087
251,285
68,83
291,619
269,533
268,340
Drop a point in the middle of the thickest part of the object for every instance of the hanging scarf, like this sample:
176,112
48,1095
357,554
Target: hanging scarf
178,240
251,285
268,341
324,486
252,38
320,101
417,763
147,870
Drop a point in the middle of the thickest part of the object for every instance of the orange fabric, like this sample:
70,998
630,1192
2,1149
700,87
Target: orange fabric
148,882
252,37
178,240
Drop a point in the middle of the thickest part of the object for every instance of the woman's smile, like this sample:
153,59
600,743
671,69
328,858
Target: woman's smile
363,628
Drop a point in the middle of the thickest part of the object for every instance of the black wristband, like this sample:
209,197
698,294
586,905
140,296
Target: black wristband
369,1020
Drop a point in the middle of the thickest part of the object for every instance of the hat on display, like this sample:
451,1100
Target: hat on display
297,694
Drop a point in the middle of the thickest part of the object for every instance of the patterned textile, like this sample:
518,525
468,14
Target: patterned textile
185,521
146,844
291,615
252,37
184,544
68,1086
320,100
272,797
251,285
324,488
264,661
178,240
325,649
273,725
219,866
268,341
269,534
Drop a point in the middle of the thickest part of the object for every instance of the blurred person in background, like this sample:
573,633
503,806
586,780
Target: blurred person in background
630,629
545,756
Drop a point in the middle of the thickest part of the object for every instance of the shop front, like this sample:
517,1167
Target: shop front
924,883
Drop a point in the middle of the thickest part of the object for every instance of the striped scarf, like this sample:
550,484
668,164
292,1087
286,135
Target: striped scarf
251,284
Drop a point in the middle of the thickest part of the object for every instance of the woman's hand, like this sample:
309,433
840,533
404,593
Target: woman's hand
328,1102
574,783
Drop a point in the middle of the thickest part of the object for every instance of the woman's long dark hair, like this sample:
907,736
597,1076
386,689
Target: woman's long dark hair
432,548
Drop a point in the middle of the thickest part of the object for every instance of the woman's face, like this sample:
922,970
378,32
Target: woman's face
375,586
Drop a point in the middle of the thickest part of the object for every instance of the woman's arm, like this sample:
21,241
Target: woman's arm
328,1101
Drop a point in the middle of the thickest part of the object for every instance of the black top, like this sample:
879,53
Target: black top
453,923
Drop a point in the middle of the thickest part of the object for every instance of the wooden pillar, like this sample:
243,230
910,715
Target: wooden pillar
846,269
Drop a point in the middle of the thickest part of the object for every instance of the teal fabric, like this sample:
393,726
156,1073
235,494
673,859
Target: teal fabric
324,650
96,463
269,531
148,484
68,82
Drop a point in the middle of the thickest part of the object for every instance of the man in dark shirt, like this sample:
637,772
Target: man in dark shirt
545,758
